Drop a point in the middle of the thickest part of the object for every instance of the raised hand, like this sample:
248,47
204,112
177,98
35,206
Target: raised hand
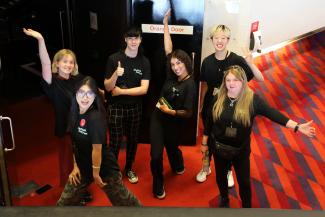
166,16
119,70
307,129
248,55
33,33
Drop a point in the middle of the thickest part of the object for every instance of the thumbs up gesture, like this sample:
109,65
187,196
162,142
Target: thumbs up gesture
119,70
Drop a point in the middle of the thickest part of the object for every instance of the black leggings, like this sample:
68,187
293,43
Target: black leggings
164,132
242,169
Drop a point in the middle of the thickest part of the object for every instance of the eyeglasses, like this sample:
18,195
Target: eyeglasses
82,94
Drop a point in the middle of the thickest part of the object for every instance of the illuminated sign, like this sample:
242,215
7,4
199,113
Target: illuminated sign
173,29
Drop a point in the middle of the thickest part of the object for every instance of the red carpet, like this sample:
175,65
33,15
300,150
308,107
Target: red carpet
287,170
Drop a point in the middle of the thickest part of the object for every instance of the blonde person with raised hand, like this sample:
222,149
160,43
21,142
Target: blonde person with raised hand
176,103
228,128
59,78
212,72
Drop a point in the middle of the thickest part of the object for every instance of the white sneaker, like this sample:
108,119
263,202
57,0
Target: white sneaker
230,178
202,175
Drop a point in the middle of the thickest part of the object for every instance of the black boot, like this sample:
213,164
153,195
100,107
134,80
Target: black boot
224,202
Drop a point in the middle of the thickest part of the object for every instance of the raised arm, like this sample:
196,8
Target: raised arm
168,44
44,56
250,61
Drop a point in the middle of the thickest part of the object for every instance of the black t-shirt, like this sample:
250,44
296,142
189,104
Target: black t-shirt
180,94
135,70
212,71
90,128
60,92
242,138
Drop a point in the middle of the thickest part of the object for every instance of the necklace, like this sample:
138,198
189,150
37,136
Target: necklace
187,76
222,61
232,101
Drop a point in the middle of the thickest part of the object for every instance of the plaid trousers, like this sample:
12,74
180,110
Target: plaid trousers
124,120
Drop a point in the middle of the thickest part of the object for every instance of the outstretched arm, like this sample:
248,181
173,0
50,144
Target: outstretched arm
304,128
44,56
168,44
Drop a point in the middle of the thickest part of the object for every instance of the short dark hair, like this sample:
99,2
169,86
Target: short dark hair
133,31
184,58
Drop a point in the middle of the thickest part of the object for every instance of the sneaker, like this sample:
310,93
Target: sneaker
180,172
161,195
202,175
132,177
230,178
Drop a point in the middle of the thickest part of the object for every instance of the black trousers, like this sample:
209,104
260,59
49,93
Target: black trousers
242,169
164,132
124,120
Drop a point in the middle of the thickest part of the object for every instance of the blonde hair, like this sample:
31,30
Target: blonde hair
59,55
244,105
220,28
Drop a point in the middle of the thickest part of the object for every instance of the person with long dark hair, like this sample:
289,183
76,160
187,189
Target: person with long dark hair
176,103
229,126
93,160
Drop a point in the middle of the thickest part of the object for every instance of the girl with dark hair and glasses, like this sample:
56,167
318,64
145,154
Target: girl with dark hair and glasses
212,72
93,160
228,128
177,101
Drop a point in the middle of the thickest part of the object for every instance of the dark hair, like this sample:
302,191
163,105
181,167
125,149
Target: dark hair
133,32
184,58
97,104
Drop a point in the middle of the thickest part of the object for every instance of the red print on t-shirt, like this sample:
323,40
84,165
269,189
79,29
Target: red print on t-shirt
82,122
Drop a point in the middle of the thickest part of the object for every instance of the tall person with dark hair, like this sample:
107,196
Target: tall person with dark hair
93,160
126,81
176,103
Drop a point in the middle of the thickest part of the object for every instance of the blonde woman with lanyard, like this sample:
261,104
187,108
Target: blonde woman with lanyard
212,71
228,128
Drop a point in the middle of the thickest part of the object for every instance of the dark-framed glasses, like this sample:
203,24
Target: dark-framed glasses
89,94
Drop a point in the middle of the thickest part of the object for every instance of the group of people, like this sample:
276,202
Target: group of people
82,122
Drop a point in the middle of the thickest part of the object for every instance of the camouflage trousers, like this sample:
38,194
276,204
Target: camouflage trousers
115,190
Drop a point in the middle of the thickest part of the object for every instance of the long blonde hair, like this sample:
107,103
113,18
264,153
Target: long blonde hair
59,55
244,105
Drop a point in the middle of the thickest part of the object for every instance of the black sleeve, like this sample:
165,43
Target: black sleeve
111,66
48,88
262,108
190,97
97,128
147,69
248,71
202,72
209,119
